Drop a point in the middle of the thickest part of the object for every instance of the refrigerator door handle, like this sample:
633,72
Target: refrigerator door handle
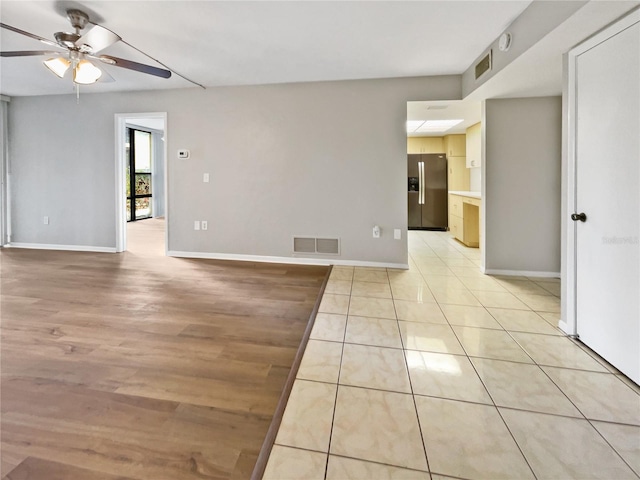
421,179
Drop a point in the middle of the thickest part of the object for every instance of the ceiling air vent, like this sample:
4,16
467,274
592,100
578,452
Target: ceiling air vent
484,65
325,246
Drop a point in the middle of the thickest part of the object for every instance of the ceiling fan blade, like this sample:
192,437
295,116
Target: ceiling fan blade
29,53
138,67
30,35
98,38
105,77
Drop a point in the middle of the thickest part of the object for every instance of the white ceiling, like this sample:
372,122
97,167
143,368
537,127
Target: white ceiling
238,43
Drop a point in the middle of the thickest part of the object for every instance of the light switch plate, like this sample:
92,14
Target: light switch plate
205,178
397,233
196,225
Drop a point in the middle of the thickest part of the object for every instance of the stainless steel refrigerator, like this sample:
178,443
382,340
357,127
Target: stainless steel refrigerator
427,190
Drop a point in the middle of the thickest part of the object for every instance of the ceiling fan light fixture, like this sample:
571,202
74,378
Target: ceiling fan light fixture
86,73
58,65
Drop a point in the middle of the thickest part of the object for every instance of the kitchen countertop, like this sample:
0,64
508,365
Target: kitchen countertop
466,194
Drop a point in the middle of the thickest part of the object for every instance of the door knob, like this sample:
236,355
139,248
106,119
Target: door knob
578,216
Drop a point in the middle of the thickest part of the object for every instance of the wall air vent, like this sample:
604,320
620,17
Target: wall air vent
325,246
484,65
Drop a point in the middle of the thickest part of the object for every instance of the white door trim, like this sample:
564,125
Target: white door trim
120,164
569,293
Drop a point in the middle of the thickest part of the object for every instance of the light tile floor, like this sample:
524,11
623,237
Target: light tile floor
441,371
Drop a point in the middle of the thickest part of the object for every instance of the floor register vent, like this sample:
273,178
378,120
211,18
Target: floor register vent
325,246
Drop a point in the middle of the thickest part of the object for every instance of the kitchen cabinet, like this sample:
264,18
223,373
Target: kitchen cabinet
474,146
425,145
455,145
458,178
464,217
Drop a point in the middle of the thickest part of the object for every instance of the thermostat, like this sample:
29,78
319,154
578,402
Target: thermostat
183,154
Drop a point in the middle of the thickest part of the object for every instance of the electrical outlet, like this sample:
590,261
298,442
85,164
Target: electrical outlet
397,233
204,224
376,231
196,225
205,179
46,220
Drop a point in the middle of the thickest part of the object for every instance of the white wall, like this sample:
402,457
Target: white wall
475,179
312,159
521,175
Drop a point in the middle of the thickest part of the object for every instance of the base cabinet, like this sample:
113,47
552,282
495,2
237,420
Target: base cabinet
464,219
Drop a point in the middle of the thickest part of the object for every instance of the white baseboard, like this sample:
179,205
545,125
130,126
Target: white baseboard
564,326
286,260
357,263
71,248
521,273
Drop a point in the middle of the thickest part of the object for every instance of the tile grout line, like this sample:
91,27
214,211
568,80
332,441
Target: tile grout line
413,396
335,400
495,406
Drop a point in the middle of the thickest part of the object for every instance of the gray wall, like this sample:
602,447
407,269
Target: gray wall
311,159
537,20
521,178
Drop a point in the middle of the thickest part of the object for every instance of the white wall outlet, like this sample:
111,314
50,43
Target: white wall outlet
204,224
196,225
184,153
397,233
205,178
46,220
376,231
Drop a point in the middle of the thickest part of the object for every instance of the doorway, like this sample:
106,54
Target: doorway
138,177
141,177
437,160
603,179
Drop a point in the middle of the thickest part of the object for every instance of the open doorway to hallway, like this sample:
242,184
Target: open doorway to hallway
141,183
443,168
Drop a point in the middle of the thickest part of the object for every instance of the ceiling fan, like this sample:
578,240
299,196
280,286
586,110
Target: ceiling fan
79,48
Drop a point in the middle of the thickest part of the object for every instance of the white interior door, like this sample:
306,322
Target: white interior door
607,185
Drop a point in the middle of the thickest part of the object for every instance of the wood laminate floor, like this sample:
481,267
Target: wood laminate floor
140,366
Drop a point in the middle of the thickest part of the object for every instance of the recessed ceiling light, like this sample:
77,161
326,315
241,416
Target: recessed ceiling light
437,125
412,125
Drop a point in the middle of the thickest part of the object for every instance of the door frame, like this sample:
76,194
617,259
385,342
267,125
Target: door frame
569,320
120,167
5,194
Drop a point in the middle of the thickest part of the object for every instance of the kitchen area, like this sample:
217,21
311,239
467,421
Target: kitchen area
444,151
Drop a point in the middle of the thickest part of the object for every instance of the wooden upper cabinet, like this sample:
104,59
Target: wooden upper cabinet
425,145
474,146
455,145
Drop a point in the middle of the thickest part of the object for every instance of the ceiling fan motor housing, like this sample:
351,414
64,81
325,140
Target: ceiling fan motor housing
67,40
78,19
